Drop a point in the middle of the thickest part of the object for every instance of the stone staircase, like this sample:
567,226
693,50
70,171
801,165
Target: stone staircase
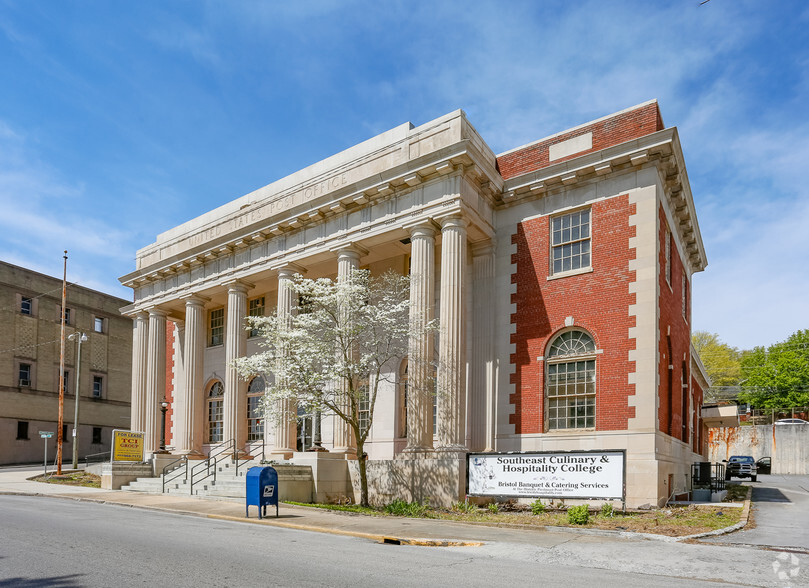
227,483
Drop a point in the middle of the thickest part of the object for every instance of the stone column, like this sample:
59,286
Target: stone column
348,260
235,401
178,381
140,346
452,348
155,379
285,426
420,350
189,407
482,385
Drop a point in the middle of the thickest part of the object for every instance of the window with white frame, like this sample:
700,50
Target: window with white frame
364,406
570,388
216,329
24,375
255,425
255,307
98,324
570,242
67,316
216,429
26,305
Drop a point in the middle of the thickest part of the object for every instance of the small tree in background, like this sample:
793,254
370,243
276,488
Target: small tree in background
777,377
354,331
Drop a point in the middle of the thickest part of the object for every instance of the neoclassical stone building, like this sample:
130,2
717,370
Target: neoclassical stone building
559,272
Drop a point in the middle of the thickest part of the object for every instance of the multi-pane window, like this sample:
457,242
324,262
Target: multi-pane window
67,316
255,425
570,241
305,430
98,324
96,436
216,412
25,374
571,383
66,382
27,305
217,327
364,407
255,307
98,386
22,430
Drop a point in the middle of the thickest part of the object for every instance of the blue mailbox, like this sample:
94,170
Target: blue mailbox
262,489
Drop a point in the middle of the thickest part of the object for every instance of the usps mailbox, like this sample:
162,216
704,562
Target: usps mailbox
262,489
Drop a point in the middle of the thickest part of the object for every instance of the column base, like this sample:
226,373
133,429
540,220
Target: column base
285,453
347,452
451,451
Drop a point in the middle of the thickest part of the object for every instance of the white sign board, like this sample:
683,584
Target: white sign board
571,474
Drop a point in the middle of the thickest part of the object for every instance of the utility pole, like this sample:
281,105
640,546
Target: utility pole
61,422
81,338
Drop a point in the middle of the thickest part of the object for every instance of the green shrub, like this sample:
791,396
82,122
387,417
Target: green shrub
607,510
578,515
406,509
463,506
537,507
493,508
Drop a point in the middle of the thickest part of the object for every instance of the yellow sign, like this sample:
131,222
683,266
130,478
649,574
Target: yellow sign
127,446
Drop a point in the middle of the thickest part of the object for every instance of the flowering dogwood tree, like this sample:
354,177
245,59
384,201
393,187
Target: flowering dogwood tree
335,349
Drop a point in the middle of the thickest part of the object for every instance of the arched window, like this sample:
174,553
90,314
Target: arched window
570,388
255,425
216,395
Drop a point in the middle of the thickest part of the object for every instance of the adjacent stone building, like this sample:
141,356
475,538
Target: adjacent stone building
30,305
560,273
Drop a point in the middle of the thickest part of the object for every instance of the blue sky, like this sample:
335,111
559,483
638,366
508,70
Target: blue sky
119,120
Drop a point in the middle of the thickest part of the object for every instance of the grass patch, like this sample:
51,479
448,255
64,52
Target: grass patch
83,479
338,507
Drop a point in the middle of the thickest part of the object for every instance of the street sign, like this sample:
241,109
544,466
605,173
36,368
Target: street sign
46,434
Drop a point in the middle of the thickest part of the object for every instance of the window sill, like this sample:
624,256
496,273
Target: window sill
577,272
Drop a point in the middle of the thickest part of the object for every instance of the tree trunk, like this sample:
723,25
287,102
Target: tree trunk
363,473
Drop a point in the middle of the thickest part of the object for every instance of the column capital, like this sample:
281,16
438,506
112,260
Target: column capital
159,312
454,221
422,228
238,286
289,269
349,249
194,299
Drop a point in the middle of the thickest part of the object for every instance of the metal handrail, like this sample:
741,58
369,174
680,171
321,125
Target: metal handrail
172,467
94,457
207,467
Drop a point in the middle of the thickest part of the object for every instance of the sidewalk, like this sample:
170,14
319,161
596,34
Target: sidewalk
396,530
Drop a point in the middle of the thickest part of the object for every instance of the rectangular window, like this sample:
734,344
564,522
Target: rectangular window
66,382
685,298
217,327
668,257
364,408
571,395
98,324
255,307
65,438
22,430
67,316
98,386
255,427
27,305
570,242
25,375
96,436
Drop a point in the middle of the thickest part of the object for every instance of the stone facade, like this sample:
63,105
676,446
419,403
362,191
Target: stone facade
557,271
30,306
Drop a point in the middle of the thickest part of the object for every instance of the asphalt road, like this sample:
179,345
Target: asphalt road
780,514
66,543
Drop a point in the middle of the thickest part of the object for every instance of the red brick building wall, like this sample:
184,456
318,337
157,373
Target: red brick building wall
607,132
599,303
675,339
